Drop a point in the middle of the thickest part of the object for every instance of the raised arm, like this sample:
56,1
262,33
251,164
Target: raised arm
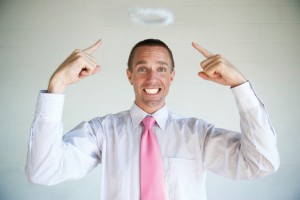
53,157
251,154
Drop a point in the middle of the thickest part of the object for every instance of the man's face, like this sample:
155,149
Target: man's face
151,77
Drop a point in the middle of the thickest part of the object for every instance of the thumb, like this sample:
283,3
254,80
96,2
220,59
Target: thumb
87,72
203,76
97,69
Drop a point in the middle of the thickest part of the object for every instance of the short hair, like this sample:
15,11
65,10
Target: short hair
149,42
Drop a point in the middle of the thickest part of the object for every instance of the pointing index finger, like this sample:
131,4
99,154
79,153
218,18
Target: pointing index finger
92,48
203,51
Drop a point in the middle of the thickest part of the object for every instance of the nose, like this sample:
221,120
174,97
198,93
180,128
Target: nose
152,74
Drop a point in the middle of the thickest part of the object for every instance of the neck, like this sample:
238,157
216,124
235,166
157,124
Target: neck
150,109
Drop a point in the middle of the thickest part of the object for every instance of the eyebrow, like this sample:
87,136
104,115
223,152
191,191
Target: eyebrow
158,62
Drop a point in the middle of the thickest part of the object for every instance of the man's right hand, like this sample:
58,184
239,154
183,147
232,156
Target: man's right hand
78,65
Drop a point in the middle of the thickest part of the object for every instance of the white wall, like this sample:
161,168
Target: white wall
262,38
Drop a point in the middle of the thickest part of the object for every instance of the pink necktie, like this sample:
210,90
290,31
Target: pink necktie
152,183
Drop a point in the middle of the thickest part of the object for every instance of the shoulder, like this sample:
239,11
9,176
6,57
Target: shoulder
111,119
182,121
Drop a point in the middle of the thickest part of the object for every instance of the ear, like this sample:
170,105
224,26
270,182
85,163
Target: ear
172,75
129,75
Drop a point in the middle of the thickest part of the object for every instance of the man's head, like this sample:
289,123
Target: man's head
150,72
149,42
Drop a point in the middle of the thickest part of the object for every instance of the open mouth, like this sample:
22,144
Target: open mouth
152,91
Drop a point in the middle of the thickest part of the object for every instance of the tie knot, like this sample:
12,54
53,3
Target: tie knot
148,122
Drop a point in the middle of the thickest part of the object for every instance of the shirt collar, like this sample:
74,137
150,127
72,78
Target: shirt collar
137,115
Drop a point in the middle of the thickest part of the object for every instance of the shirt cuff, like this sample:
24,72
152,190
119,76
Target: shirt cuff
245,97
49,106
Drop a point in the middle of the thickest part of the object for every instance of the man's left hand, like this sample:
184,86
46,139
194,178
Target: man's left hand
217,69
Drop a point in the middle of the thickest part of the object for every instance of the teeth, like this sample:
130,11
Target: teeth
151,91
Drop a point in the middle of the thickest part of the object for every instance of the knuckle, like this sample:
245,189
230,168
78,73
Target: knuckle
220,60
77,51
208,71
202,63
219,56
78,55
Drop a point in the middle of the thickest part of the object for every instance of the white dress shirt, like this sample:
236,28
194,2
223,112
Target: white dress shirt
190,147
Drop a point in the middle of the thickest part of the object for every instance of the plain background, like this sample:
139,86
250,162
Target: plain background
262,38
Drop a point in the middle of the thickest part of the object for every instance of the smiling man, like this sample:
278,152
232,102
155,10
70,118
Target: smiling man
150,71
148,152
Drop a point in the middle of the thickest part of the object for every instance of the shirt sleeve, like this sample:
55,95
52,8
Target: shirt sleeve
53,157
247,155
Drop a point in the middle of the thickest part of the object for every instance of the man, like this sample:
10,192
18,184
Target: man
187,147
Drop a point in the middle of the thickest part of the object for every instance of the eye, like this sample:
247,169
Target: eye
162,69
142,69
